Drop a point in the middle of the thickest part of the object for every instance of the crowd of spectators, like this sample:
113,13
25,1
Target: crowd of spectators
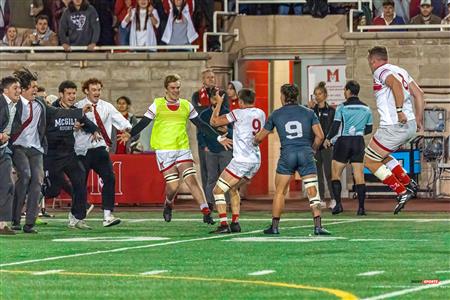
174,22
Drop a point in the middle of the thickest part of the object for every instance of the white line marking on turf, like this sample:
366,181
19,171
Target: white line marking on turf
287,239
113,239
407,291
270,219
155,272
154,245
371,273
48,272
387,240
444,271
262,272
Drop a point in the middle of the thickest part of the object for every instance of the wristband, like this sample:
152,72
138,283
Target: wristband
220,138
399,109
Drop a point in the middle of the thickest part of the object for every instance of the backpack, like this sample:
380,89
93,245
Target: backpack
316,8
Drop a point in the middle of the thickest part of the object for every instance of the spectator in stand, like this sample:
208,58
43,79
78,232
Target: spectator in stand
57,8
79,25
232,92
22,14
11,37
204,10
41,92
121,9
438,8
105,11
446,20
388,17
4,17
123,105
179,28
144,19
41,35
425,17
283,9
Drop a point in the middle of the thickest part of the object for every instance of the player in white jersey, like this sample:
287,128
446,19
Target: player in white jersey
394,90
248,121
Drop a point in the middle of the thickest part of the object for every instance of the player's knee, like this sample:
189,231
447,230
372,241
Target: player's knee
222,186
189,172
312,191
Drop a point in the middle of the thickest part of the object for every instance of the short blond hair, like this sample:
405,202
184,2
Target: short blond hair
171,78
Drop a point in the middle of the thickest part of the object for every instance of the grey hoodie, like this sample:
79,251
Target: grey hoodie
79,28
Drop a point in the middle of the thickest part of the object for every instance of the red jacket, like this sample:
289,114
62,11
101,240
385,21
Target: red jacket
121,10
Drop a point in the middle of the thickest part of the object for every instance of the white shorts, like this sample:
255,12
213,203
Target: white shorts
242,169
169,158
392,137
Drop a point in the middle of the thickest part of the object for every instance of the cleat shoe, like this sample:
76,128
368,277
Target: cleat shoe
332,204
111,221
72,221
271,230
29,229
16,227
167,213
90,209
402,199
321,231
235,227
361,212
222,229
337,209
208,219
413,187
81,224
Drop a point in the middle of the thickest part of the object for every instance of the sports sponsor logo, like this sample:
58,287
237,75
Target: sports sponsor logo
96,184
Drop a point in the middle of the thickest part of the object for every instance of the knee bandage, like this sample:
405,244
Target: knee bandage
314,201
171,177
220,199
382,173
223,185
189,172
370,153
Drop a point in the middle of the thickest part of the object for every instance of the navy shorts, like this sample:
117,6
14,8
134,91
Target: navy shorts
300,160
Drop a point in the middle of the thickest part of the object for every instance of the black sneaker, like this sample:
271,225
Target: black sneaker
208,219
222,229
361,212
413,187
321,231
337,209
29,229
402,199
167,213
271,230
235,227
16,226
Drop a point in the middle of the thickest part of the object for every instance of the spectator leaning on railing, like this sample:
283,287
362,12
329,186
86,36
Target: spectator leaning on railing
388,17
79,25
41,35
4,17
425,17
56,9
11,38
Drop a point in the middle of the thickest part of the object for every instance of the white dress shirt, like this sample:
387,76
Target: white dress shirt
29,137
110,117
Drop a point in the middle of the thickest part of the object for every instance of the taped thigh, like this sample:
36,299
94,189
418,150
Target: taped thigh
171,177
189,172
372,154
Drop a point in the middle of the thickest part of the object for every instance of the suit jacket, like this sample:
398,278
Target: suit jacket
4,117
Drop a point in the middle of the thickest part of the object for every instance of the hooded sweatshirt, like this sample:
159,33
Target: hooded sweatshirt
79,28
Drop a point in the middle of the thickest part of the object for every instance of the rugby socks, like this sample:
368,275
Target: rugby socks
275,222
223,219
394,184
361,191
398,171
234,218
337,188
318,221
205,208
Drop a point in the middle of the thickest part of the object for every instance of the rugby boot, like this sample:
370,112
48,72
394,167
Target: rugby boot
337,209
167,213
208,219
321,231
222,229
402,199
235,227
271,230
361,212
413,187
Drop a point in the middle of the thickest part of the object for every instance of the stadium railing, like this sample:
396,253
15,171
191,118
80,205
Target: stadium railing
111,49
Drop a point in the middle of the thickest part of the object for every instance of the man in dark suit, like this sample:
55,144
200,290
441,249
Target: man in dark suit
9,98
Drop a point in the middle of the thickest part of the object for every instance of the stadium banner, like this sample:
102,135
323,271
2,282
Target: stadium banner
333,76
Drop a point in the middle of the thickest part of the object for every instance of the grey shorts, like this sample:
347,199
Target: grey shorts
392,137
242,169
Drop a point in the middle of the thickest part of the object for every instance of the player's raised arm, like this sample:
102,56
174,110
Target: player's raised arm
217,120
397,89
318,136
419,102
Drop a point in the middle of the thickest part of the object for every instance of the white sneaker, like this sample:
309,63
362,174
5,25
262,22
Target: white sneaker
111,221
323,204
332,204
72,221
81,224
89,210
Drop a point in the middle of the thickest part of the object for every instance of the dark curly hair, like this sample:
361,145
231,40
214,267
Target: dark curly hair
291,93
25,77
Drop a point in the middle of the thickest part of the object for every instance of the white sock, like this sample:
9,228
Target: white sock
106,214
2,224
204,205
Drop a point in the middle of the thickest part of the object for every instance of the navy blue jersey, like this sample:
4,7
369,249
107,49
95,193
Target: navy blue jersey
294,125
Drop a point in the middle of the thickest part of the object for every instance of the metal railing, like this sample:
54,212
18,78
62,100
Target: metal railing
111,49
402,27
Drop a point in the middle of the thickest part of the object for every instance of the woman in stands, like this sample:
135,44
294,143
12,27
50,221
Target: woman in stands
123,104
180,29
11,37
144,19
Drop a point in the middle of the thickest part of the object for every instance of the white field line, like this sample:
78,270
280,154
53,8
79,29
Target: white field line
24,262
48,272
266,219
444,271
387,240
408,291
371,273
262,272
154,272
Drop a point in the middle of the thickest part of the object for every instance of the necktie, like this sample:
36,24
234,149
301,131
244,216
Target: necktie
101,126
24,124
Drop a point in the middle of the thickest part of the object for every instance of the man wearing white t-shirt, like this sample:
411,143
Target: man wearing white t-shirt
394,89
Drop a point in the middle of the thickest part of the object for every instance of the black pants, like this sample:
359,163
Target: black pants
97,159
57,170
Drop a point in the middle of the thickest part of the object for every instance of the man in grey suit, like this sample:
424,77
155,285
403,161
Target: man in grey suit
11,95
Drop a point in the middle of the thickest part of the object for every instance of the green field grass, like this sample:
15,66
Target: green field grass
188,263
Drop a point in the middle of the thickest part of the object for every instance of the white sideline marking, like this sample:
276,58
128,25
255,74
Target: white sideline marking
387,240
392,286
153,245
113,239
155,272
48,272
445,271
286,239
371,273
407,291
267,219
262,272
